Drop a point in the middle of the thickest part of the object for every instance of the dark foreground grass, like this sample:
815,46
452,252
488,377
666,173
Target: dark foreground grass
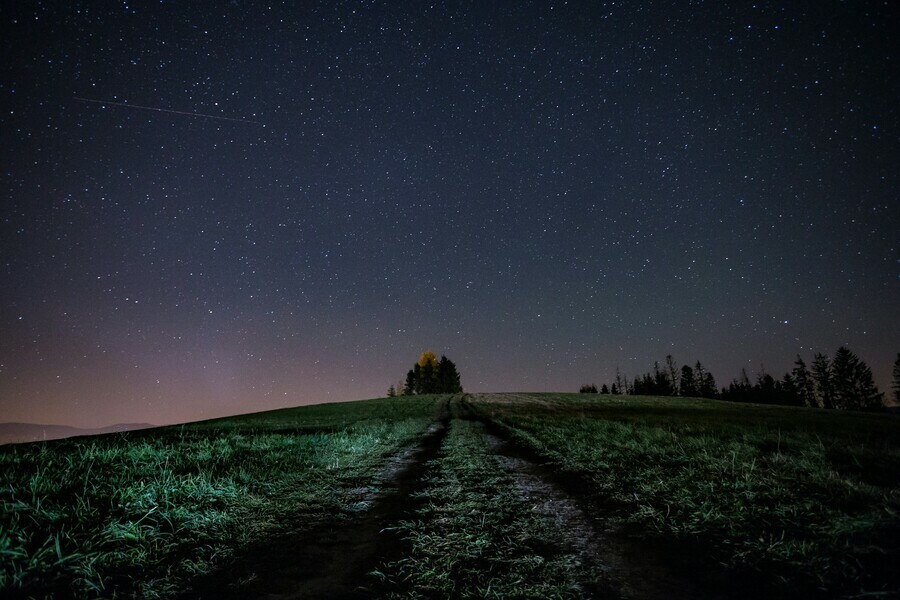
807,497
138,515
803,497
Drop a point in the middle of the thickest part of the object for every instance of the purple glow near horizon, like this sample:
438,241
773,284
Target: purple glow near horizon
542,191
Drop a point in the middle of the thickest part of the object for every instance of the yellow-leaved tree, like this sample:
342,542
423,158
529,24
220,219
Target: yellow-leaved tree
428,358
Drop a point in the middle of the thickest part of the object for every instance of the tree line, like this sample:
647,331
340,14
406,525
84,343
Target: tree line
668,380
429,376
843,382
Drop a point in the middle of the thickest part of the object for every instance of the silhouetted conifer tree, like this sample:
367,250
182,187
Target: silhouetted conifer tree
765,392
842,378
821,369
412,381
672,372
705,382
708,386
853,385
788,392
897,379
428,379
448,377
804,384
699,376
661,385
409,387
687,383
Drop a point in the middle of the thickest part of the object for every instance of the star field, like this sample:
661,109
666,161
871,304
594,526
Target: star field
542,191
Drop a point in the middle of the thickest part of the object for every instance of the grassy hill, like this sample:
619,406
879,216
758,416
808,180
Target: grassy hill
17,433
524,495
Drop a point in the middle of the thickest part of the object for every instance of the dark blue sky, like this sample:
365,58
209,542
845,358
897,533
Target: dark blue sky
542,191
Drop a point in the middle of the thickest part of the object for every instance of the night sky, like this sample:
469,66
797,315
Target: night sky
542,191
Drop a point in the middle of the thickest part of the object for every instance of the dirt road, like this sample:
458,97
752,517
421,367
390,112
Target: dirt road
380,551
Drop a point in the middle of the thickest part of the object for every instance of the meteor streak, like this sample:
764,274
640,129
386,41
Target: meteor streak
166,110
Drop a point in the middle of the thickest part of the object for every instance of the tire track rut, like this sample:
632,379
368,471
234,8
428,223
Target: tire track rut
332,560
635,566
597,544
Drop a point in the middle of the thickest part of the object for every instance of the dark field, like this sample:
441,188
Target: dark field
505,495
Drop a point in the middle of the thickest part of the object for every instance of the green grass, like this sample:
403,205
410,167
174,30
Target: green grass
142,513
476,535
807,497
810,496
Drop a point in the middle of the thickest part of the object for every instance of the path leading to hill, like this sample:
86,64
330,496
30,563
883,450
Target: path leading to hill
338,560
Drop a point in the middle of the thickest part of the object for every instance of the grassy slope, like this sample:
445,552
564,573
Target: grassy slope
808,495
811,496
141,513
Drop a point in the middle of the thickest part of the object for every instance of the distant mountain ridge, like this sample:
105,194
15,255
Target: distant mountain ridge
18,433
